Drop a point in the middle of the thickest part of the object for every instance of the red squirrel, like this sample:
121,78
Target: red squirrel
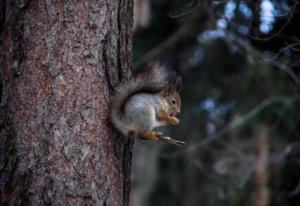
150,100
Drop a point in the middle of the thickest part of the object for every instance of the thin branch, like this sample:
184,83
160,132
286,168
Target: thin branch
220,2
286,69
275,56
162,47
234,124
208,174
260,58
186,12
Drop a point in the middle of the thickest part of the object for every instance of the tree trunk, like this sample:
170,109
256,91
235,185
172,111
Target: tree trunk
59,62
261,172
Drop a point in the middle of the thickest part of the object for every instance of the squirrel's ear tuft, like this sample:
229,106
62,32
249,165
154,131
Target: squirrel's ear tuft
178,84
169,90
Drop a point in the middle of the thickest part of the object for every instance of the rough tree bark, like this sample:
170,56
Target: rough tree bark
59,62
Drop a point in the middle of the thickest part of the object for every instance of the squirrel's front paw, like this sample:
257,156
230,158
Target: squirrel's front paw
174,120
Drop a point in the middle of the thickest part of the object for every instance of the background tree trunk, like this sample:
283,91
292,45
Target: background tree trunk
59,61
261,172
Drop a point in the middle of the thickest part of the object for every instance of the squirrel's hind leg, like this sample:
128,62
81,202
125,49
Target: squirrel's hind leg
159,136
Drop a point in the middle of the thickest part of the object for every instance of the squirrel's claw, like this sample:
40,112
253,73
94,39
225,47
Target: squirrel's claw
172,141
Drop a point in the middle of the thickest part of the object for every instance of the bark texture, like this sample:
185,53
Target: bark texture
59,62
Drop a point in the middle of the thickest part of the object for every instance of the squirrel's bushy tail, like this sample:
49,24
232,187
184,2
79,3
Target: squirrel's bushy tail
153,80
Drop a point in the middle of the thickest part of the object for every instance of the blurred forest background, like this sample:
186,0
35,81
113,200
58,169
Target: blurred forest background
241,81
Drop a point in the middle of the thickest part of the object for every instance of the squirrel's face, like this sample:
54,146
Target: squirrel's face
173,99
175,103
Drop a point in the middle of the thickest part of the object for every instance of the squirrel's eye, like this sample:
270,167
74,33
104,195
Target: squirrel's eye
173,101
